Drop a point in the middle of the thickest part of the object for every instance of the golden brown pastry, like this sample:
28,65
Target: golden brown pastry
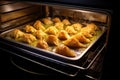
39,34
28,38
92,26
82,38
51,30
16,33
52,40
42,44
73,43
56,19
90,30
59,25
47,21
70,30
77,26
29,29
66,22
38,25
63,35
64,50
86,34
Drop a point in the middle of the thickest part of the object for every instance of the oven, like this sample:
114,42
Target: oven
35,59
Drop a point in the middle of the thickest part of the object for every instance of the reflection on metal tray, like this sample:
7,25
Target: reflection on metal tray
78,51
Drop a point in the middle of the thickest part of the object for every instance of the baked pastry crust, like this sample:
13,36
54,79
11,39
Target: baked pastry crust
66,51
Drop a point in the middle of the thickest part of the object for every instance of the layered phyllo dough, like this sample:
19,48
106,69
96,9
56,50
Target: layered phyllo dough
77,26
29,29
52,30
66,51
59,25
70,30
89,30
56,19
52,40
63,35
47,21
74,43
39,34
15,34
39,25
82,38
28,38
66,22
42,44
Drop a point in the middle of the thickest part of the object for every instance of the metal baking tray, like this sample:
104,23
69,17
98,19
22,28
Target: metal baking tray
79,52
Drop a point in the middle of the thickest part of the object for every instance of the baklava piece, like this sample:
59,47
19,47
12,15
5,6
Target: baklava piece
70,30
64,50
77,26
38,25
56,19
63,35
90,30
66,22
93,26
86,34
74,43
52,40
42,44
47,21
28,38
51,30
15,34
59,25
29,29
82,38
39,34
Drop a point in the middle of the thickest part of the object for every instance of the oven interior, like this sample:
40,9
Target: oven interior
15,14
